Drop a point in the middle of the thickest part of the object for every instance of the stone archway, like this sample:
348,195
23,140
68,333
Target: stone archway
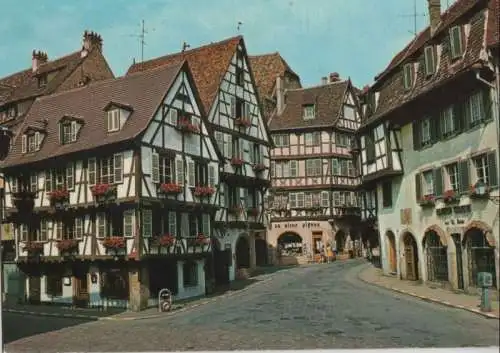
340,241
290,244
480,253
242,252
436,255
390,240
410,253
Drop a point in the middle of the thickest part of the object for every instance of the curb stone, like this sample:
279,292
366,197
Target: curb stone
152,316
428,299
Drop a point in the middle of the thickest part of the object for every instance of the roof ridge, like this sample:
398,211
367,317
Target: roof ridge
318,85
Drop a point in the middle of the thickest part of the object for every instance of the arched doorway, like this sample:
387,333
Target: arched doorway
391,251
260,252
242,253
290,244
340,239
436,257
481,255
411,257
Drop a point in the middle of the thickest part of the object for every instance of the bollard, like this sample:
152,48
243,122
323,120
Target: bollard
485,280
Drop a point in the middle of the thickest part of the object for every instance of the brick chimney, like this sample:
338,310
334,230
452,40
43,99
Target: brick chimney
334,77
91,40
434,14
38,58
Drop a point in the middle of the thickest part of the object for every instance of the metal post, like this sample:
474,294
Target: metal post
485,300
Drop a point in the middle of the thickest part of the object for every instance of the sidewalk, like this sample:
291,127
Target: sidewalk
467,302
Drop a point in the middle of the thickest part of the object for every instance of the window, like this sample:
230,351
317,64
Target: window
294,171
240,76
70,177
179,171
128,223
191,174
341,140
335,166
308,200
102,225
452,171
42,80
281,140
456,42
448,121
325,199
387,194
34,182
475,108
312,138
91,170
300,200
407,76
481,168
313,167
44,230
370,147
147,223
430,62
211,176
110,170
79,227
190,273
69,131
351,171
59,179
425,131
32,143
428,180
308,112
172,223
349,112
54,285
113,120
172,116
65,230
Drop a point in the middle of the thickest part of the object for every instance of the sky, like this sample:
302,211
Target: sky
356,38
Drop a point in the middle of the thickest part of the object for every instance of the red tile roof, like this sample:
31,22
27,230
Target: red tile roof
144,92
265,69
328,100
208,64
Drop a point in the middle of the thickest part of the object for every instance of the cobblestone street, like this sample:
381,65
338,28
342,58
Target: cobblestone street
317,306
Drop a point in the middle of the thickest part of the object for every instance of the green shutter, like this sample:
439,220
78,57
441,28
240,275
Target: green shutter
466,114
463,175
487,105
438,182
458,116
418,187
416,135
436,127
492,169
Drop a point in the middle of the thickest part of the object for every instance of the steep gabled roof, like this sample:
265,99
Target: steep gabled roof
328,100
208,65
24,84
266,68
143,91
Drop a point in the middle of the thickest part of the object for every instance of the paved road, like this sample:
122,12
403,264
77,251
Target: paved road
319,306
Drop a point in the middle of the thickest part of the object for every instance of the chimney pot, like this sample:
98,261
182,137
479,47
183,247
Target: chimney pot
434,14
38,58
91,40
334,77
324,80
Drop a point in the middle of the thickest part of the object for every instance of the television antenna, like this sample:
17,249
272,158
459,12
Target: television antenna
415,15
238,27
142,36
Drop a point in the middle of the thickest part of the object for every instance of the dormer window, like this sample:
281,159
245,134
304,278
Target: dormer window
308,112
113,120
407,76
69,131
42,80
430,60
31,142
456,44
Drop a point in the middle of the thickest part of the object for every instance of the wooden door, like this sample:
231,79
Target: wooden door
81,291
34,289
392,255
411,273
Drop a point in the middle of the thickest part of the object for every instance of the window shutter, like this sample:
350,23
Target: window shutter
458,116
108,120
466,114
48,181
438,182
211,175
155,168
118,167
233,106
435,128
24,142
73,131
179,171
492,169
418,187
70,177
487,105
463,172
91,168
416,135
191,173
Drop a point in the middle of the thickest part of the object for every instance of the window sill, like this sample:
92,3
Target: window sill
188,286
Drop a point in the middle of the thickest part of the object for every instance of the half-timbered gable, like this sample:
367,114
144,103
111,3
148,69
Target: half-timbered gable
314,175
426,142
83,182
227,90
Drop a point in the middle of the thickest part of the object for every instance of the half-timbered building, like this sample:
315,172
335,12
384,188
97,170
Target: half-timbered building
111,188
429,150
313,200
225,81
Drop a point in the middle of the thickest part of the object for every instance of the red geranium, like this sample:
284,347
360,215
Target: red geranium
67,244
114,242
185,124
166,240
170,188
33,246
203,191
58,195
243,122
236,161
101,189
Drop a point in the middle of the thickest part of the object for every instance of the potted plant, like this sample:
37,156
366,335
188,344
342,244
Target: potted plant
103,191
259,167
170,188
242,121
114,243
427,200
449,196
236,161
67,245
200,191
186,125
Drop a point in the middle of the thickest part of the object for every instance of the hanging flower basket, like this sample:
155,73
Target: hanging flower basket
450,196
259,167
235,210
245,122
479,190
103,190
165,240
33,247
58,195
253,212
114,243
427,200
170,188
203,191
67,245
186,125
237,162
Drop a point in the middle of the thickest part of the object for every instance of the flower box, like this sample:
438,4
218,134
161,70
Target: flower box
427,200
203,191
259,167
170,188
67,245
33,247
450,196
253,212
102,192
114,243
235,210
185,124
58,195
235,161
165,240
243,122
